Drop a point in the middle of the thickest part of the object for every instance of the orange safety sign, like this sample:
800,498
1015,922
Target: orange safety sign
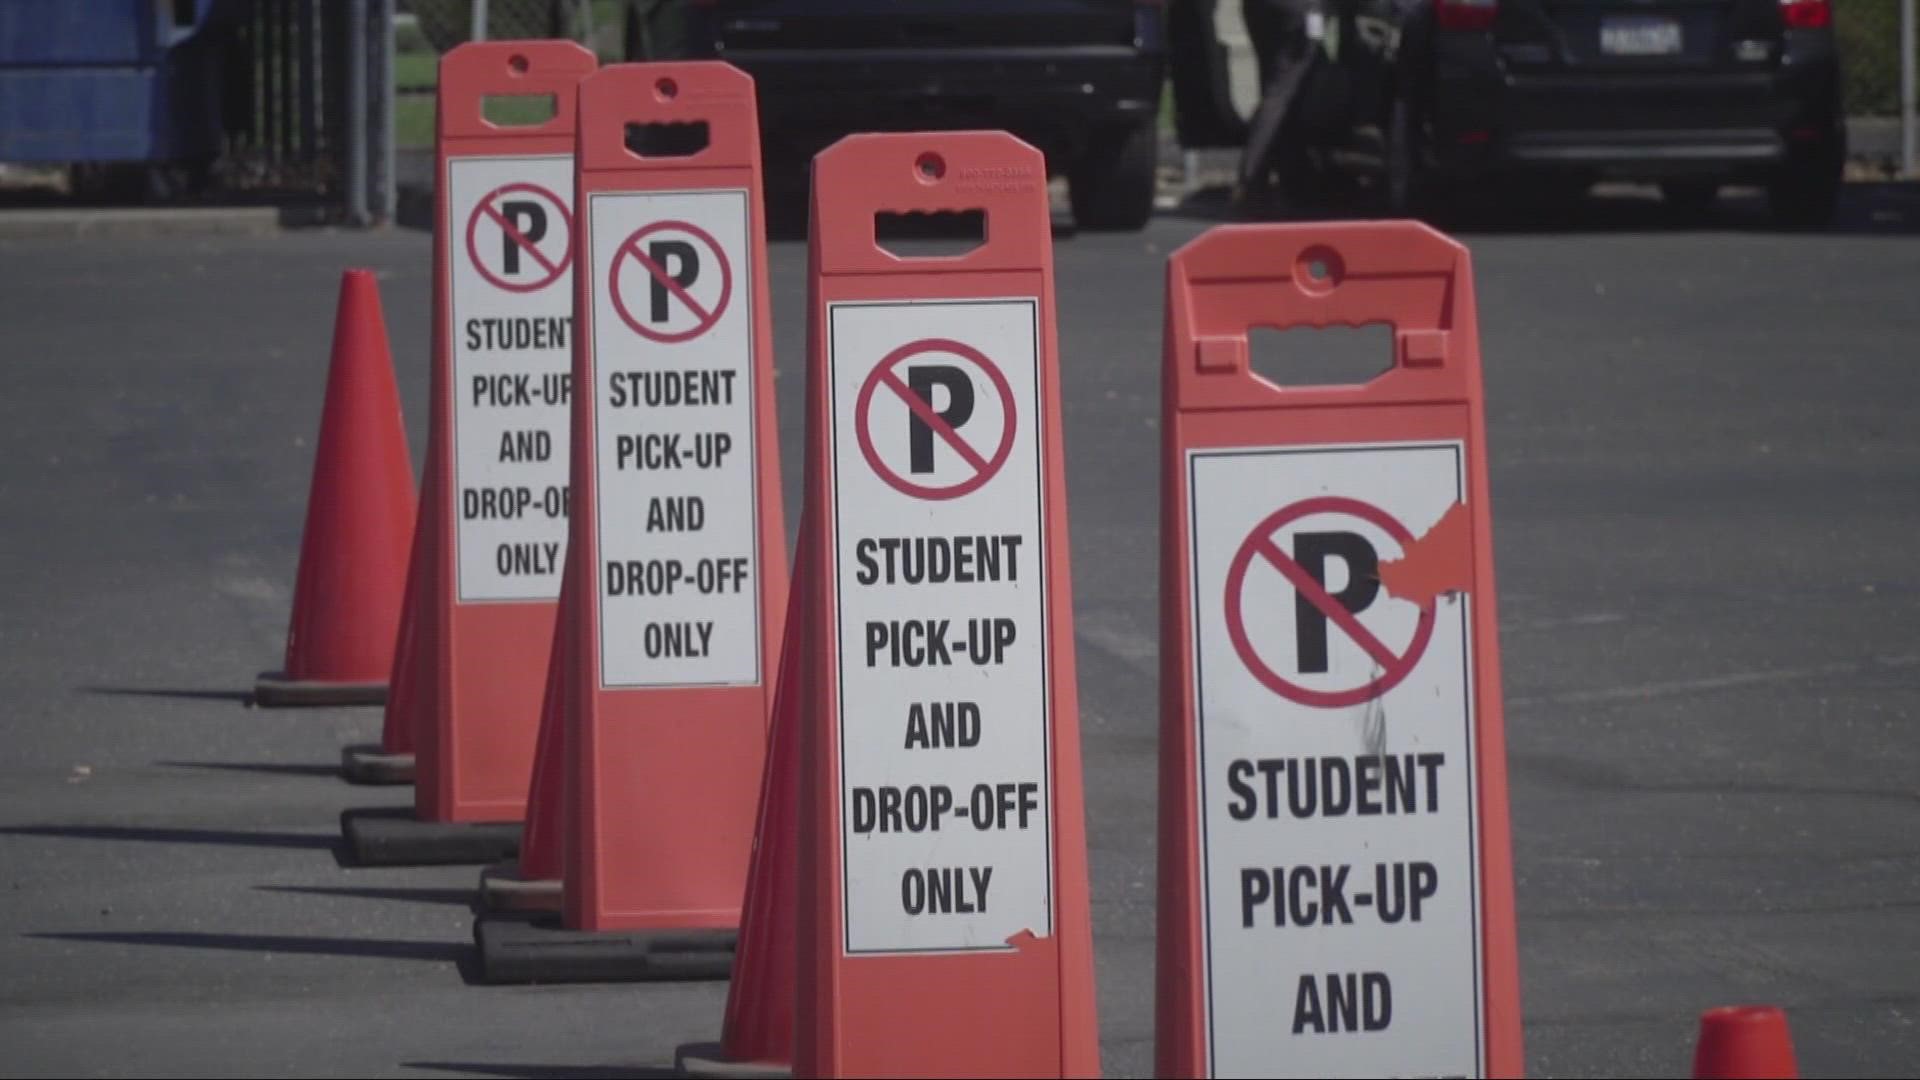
943,913
679,573
1336,885
495,504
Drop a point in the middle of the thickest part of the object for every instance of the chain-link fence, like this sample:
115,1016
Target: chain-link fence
428,28
446,23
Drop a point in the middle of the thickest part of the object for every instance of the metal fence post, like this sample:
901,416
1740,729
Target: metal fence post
357,112
479,21
387,203
1908,105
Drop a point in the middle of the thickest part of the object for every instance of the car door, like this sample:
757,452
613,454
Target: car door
1203,110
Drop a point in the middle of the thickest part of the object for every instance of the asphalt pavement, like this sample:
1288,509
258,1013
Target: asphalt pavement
1705,458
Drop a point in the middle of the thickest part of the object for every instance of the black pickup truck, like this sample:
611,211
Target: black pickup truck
1080,79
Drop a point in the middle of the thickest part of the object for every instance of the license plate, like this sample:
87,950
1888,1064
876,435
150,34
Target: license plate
1639,35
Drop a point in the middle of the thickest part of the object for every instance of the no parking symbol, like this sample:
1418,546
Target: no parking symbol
936,419
1305,565
520,237
671,281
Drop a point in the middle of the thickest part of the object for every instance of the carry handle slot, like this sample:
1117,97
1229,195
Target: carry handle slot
516,87
1223,355
939,234
1318,289
519,110
981,195
668,138
1300,356
1234,281
696,115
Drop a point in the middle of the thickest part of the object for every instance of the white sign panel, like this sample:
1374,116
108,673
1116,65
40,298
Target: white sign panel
945,715
510,247
675,479
1339,843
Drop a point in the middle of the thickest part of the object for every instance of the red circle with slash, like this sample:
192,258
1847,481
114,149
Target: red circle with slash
485,210
884,374
1259,544
706,317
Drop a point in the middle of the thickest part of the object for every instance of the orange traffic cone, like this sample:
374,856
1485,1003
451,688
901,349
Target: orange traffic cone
1744,1042
756,1036
531,882
758,1025
390,761
353,555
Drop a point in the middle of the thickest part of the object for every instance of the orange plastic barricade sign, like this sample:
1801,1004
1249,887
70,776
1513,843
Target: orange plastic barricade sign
943,926
485,571
676,475
502,343
1336,893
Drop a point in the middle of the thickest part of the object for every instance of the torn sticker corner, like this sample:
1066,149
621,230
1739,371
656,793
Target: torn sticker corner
1022,939
1437,563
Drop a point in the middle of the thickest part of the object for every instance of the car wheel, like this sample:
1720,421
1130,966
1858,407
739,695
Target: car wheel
1804,194
1690,198
1112,186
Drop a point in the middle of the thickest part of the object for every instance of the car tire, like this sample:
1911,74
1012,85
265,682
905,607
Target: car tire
1804,194
1690,198
1111,187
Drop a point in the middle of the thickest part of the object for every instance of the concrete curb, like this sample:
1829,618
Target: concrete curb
101,222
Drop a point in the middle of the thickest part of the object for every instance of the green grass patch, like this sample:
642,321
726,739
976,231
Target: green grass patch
518,110
416,61
415,74
413,121
412,69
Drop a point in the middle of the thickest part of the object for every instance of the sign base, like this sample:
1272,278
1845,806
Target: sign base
273,690
709,1059
503,889
394,836
538,948
366,763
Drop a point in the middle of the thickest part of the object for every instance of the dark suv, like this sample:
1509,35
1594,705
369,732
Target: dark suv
1691,94
1080,79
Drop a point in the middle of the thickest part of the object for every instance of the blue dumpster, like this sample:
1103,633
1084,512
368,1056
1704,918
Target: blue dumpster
110,80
